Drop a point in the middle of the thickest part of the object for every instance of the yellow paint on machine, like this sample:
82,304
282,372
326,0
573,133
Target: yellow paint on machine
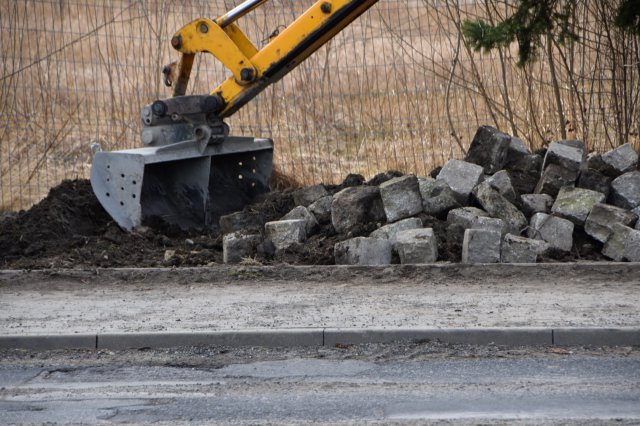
230,46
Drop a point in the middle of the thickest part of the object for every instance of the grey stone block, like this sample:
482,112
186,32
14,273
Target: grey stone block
636,211
237,246
321,209
501,182
623,244
285,233
363,251
458,220
601,219
475,218
579,145
465,216
401,197
306,196
595,181
517,249
437,197
536,203
417,246
242,221
625,190
356,205
594,162
556,231
301,212
461,177
49,342
527,162
525,174
565,155
498,206
489,224
575,204
574,143
596,336
390,231
620,160
553,178
481,246
516,152
489,149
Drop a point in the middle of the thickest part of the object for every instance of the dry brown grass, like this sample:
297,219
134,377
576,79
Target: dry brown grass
396,90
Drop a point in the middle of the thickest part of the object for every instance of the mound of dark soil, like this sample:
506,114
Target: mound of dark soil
69,228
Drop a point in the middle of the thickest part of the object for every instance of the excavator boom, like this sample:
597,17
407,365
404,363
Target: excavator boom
191,171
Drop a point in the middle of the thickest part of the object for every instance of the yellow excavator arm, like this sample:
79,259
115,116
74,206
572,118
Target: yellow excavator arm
254,70
190,170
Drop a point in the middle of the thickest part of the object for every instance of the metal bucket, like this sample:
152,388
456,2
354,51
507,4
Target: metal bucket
181,184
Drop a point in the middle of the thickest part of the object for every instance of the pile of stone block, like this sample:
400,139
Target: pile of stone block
502,203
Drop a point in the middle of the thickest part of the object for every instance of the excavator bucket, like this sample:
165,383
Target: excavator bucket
191,178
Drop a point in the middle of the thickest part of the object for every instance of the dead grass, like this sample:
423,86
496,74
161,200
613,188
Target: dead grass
396,90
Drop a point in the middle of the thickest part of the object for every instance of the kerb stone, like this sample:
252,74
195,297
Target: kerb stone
465,216
356,205
620,160
401,197
363,251
437,197
417,246
625,190
307,195
501,182
489,149
391,230
553,178
498,206
623,244
516,152
237,246
321,209
556,231
285,233
536,203
242,221
575,204
566,156
595,181
301,212
600,221
481,246
516,249
461,177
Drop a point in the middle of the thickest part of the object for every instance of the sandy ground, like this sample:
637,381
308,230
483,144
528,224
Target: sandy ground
207,299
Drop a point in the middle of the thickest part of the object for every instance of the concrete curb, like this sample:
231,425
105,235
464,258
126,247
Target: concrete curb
471,336
511,336
49,342
269,338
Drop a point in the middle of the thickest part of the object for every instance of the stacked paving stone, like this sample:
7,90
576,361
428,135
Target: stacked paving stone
501,203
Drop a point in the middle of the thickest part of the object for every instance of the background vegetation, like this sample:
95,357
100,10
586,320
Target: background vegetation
401,88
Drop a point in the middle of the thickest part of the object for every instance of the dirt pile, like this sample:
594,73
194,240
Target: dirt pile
70,229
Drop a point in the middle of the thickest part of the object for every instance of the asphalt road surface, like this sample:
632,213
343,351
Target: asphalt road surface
411,382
